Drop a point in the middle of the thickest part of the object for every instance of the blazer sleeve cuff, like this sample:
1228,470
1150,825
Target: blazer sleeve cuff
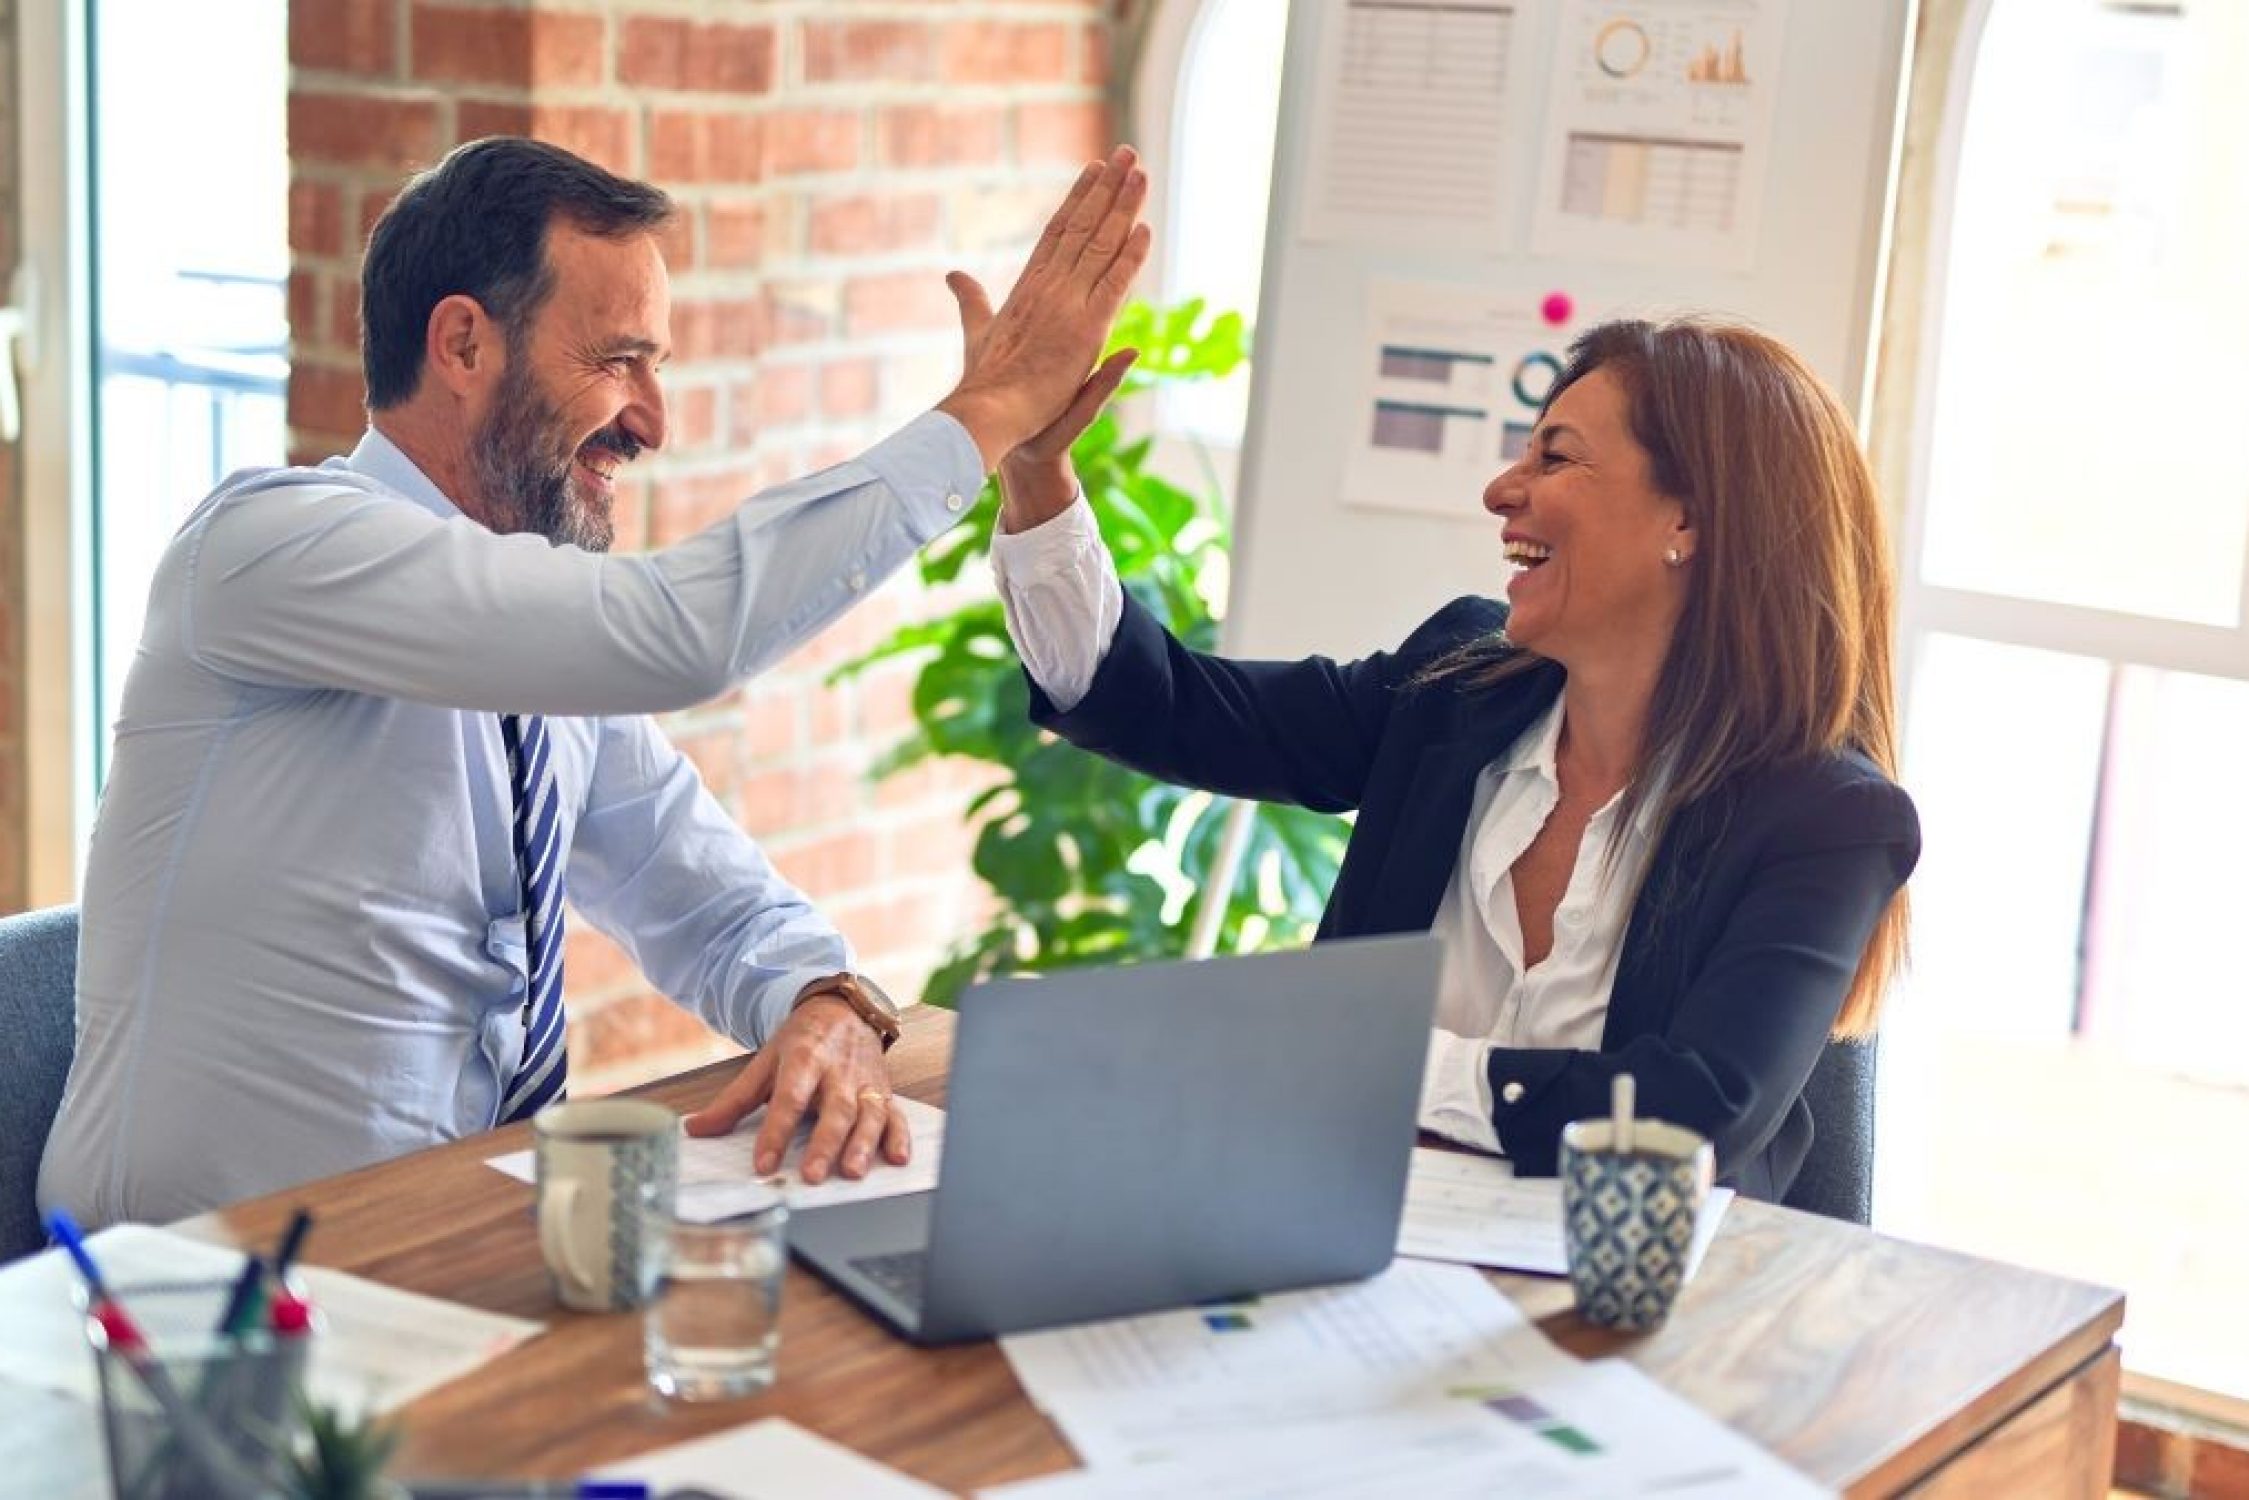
1530,1105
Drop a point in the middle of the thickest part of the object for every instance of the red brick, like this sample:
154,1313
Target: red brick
773,803
630,515
997,52
932,135
1094,56
869,52
316,218
889,923
326,399
800,312
849,388
307,328
811,140
717,330
661,53
344,36
1060,132
686,504
734,233
838,864
635,1026
781,396
768,716
677,242
693,413
705,147
940,844
895,301
716,754
343,313
886,701
603,136
868,225
372,206
515,48
594,965
358,131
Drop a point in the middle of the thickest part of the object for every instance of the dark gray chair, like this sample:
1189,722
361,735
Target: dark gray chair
38,1018
1837,1178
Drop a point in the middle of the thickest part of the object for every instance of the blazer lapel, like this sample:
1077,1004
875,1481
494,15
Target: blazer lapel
1423,846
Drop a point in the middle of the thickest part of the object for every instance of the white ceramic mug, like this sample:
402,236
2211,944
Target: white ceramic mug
608,1169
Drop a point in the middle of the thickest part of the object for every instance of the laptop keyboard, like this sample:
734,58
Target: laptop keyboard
899,1274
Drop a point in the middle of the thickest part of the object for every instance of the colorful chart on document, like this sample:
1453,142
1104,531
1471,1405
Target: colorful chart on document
1454,377
1657,137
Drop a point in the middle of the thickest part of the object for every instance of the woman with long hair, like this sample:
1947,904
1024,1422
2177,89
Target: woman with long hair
1646,804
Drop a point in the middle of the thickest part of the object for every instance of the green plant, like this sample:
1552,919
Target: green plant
1091,863
341,1457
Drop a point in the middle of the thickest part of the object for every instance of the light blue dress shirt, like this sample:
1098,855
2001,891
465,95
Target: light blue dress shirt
302,940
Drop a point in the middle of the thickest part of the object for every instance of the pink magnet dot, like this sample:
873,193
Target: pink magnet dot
1557,307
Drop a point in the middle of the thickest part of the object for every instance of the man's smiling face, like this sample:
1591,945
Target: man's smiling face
579,397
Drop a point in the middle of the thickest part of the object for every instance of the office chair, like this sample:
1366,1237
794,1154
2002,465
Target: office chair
1837,1178
38,1018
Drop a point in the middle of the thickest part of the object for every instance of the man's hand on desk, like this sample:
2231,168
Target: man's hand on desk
825,1061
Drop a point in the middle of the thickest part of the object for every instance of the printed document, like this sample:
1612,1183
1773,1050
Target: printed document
717,1178
769,1460
1130,1390
1598,1431
1474,1209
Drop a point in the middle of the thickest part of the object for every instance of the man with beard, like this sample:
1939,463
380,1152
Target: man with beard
387,713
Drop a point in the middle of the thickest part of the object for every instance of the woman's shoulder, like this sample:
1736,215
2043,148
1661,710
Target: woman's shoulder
1463,622
1840,789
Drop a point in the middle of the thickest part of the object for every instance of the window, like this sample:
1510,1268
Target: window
2068,1062
1209,96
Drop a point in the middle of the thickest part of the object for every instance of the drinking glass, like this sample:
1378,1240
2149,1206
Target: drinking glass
713,1330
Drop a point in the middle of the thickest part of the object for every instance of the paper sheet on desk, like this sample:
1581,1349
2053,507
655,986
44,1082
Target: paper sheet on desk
1598,1431
1131,1390
1474,1210
773,1459
379,1347
717,1179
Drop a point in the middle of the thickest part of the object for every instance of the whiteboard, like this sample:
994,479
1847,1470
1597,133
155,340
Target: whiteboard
1319,568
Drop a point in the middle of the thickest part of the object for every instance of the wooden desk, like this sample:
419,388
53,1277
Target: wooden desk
1874,1365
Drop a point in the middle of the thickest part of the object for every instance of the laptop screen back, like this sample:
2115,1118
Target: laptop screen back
1126,1139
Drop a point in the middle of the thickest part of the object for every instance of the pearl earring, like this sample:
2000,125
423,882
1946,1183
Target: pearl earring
1674,557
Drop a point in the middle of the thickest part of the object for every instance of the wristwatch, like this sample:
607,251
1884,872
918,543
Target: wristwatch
867,1001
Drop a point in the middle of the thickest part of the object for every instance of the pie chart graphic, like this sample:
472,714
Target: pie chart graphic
1620,48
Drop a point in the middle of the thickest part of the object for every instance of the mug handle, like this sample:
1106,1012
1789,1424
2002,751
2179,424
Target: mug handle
557,1207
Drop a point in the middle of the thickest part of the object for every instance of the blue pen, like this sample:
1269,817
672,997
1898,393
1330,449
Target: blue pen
292,1240
528,1489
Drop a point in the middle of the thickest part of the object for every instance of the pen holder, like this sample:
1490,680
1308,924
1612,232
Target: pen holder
192,1413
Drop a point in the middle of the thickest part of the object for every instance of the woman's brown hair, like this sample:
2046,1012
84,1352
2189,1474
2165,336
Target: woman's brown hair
1783,650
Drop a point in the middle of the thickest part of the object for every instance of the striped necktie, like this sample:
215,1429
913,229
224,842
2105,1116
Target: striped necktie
538,861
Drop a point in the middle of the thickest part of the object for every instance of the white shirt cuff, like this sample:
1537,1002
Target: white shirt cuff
1058,588
1456,1092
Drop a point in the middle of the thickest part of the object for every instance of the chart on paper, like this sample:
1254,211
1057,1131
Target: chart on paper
1413,122
1656,143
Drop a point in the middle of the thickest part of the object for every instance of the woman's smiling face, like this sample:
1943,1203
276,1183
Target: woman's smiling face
1588,533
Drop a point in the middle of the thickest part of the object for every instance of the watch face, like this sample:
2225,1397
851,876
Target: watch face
877,996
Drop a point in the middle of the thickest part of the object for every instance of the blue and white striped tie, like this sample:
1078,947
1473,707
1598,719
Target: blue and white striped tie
538,861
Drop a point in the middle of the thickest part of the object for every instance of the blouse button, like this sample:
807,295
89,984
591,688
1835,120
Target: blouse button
1511,1094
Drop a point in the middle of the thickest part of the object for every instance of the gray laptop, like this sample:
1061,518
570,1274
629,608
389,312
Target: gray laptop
1120,1140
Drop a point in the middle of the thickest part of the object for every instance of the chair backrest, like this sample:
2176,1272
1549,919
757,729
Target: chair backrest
1837,1178
38,1018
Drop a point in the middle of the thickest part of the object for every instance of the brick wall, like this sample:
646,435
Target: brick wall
832,161
13,871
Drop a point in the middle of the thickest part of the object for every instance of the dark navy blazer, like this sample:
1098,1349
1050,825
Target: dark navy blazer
1742,942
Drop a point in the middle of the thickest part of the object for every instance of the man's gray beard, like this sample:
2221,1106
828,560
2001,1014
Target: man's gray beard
525,489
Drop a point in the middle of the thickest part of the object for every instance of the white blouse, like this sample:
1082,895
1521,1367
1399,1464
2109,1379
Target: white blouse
1063,603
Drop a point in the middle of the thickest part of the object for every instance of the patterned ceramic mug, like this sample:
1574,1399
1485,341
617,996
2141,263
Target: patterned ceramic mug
608,1169
1628,1217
